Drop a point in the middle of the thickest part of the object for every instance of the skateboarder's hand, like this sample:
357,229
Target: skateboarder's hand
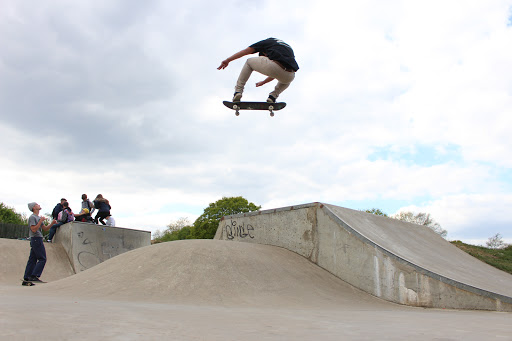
244,52
265,81
223,65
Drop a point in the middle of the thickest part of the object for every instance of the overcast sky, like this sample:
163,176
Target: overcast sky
398,105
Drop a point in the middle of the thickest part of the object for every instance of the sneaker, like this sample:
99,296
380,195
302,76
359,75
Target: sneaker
49,241
271,99
35,279
237,97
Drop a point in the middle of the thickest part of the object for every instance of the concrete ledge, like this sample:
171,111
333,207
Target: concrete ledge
397,261
88,244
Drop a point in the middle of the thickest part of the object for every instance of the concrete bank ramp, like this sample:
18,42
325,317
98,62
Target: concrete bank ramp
214,272
88,245
14,256
394,260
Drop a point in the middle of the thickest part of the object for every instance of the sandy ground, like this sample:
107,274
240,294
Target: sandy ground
216,290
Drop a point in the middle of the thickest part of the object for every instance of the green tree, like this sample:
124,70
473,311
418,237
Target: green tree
206,225
178,224
376,211
184,233
10,216
176,230
421,219
169,236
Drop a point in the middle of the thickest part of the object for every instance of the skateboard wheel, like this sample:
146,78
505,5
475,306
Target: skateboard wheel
271,107
235,106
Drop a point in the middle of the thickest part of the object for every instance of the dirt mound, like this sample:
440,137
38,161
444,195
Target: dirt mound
213,272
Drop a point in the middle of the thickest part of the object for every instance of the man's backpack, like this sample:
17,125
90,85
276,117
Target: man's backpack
90,206
70,216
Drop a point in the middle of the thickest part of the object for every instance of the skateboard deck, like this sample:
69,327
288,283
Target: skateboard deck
237,106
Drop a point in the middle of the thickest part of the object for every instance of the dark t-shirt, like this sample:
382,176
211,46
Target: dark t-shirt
277,50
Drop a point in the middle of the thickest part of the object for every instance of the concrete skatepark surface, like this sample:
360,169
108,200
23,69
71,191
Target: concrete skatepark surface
398,261
427,250
88,245
218,290
14,255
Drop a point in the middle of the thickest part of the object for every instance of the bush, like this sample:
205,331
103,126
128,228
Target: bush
9,216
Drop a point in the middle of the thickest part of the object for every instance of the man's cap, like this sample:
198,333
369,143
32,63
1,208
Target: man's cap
31,206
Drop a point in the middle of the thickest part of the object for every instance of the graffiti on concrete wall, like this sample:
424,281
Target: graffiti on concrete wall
86,257
91,251
234,230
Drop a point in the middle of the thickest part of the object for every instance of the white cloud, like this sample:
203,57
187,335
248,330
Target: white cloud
125,100
479,215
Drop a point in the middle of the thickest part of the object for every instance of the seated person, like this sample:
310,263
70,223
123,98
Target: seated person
111,221
65,216
84,216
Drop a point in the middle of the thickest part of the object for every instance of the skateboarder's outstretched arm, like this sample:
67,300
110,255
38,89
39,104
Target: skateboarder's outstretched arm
237,55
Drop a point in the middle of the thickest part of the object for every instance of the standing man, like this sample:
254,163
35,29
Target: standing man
276,60
37,258
86,203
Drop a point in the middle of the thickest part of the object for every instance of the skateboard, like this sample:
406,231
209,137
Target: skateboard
29,283
237,106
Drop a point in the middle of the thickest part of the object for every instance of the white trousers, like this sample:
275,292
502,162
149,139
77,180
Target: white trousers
267,67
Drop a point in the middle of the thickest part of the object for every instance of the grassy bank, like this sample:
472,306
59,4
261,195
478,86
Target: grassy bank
499,258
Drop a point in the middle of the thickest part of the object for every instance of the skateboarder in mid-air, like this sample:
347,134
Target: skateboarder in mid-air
276,60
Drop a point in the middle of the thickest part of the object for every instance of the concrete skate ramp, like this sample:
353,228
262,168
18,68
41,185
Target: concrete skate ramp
213,272
394,260
88,245
221,290
14,256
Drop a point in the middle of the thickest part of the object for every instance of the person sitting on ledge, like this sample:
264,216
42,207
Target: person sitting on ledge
111,221
65,216
84,216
